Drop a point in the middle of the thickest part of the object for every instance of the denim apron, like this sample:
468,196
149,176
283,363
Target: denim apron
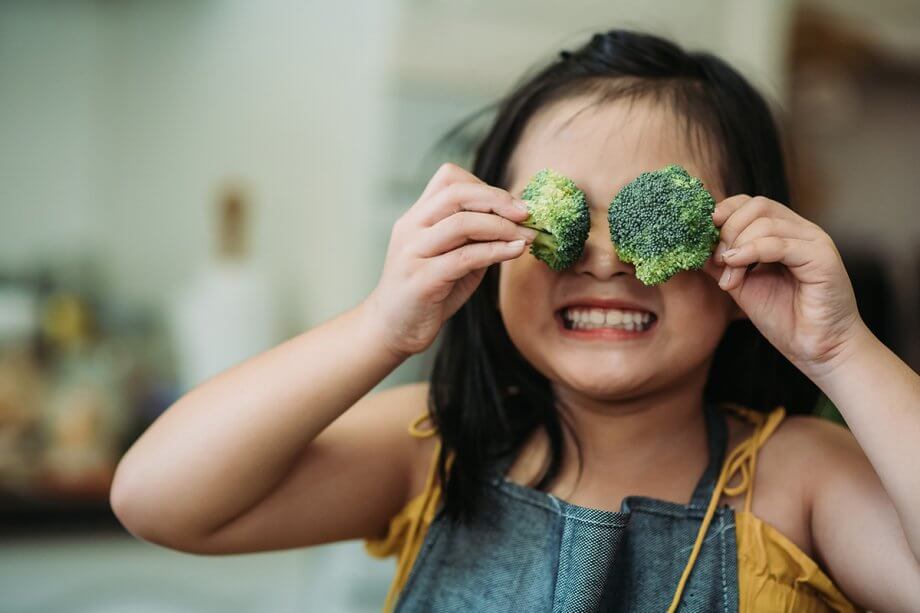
531,551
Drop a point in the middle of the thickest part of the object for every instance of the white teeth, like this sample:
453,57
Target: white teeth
597,316
586,319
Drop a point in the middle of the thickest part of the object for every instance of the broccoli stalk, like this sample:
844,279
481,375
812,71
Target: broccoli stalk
559,212
662,223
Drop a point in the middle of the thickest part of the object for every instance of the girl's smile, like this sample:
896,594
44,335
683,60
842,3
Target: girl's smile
597,318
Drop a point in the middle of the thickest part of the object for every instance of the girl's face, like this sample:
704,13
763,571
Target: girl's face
602,147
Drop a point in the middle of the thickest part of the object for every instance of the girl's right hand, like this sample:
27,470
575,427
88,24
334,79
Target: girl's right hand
438,253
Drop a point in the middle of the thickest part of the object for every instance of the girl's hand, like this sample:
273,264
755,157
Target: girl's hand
797,292
438,253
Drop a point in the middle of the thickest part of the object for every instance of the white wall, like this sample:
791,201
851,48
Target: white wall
286,100
48,131
485,45
121,120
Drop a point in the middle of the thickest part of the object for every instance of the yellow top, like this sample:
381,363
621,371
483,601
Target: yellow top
773,573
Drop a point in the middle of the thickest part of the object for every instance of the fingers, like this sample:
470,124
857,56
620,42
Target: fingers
458,263
792,252
725,210
477,197
748,222
736,214
465,226
461,225
760,227
764,226
448,174
789,251
728,206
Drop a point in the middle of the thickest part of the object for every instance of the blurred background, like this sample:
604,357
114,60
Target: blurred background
185,184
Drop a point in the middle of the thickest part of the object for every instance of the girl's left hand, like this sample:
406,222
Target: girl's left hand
796,291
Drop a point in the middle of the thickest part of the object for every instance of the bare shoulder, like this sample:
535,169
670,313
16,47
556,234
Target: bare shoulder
392,411
825,447
803,451
370,448
421,449
413,400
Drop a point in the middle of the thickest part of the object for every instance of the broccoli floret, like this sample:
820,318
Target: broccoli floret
559,212
662,223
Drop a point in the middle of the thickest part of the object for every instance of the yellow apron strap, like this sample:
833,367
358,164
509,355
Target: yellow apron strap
742,459
414,429
761,434
425,513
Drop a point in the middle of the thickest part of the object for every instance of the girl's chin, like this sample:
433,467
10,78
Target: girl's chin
606,383
610,365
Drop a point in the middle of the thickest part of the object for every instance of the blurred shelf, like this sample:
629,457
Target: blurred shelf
22,517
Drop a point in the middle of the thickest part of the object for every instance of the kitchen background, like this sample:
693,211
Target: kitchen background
184,184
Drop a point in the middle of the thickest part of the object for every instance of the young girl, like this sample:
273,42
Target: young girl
605,465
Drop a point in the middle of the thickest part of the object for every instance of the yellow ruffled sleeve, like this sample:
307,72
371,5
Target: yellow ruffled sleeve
775,575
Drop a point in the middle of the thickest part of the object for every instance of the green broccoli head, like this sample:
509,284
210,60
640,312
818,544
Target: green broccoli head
559,212
662,223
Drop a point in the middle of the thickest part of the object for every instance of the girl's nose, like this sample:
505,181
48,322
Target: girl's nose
600,258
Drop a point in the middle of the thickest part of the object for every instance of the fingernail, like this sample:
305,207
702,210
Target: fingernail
521,205
529,233
515,245
719,251
729,253
726,277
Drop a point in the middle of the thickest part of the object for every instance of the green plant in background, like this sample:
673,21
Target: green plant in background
559,212
826,409
662,223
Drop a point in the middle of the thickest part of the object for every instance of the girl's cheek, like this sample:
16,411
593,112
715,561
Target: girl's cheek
511,292
696,307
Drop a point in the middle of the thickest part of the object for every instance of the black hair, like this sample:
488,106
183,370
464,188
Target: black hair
485,399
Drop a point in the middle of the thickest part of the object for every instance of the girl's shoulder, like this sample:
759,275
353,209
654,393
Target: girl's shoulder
793,436
422,437
801,451
396,414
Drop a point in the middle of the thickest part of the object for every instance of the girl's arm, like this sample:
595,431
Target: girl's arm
258,458
226,445
865,516
879,397
864,484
